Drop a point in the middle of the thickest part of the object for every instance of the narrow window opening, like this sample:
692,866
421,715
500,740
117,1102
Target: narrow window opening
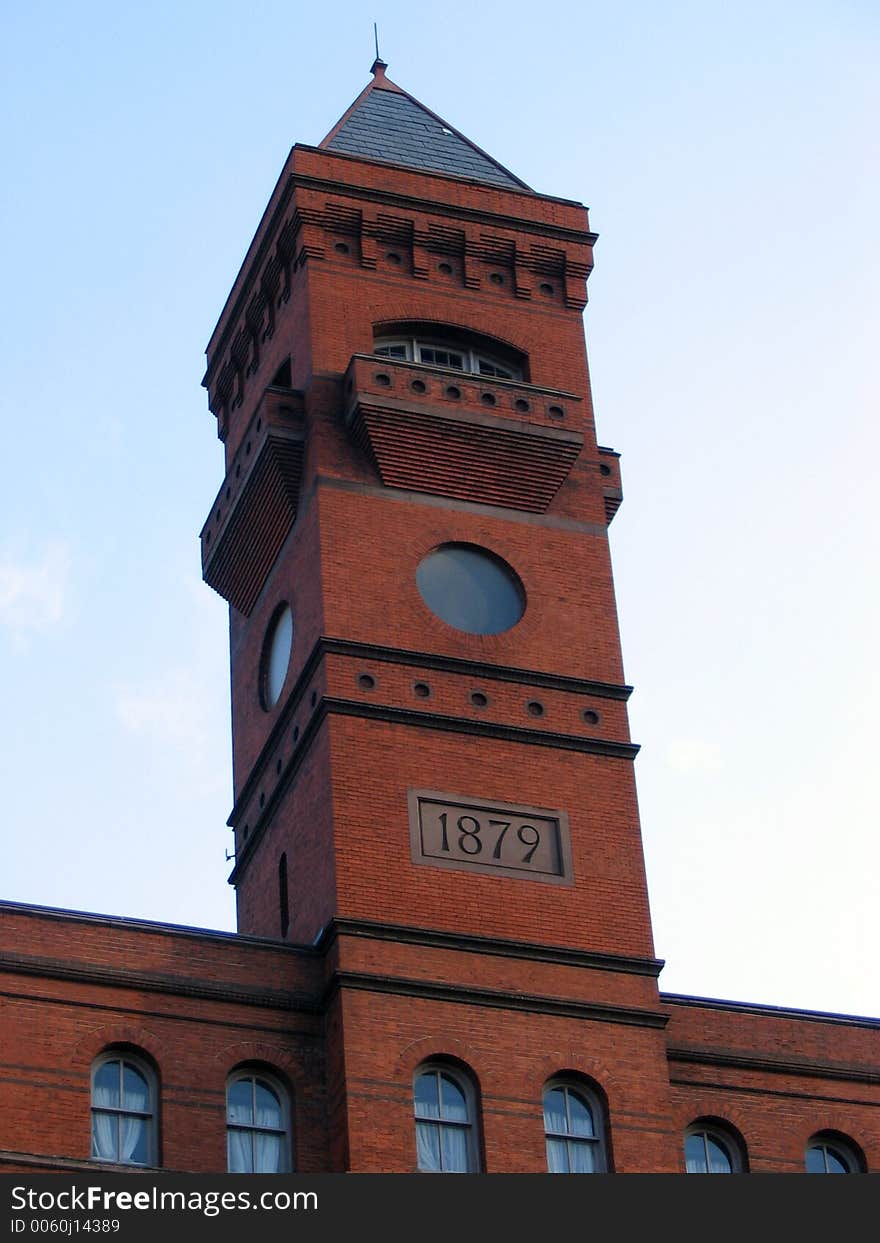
283,898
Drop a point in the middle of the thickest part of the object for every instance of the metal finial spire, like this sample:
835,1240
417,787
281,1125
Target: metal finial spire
379,66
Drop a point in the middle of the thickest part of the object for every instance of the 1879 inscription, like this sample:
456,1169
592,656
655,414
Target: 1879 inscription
454,831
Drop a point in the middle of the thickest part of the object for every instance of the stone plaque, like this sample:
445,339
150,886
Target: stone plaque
480,835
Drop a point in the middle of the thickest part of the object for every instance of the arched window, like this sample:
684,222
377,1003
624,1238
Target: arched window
257,1124
446,1138
829,1153
448,350
710,1149
123,1110
573,1129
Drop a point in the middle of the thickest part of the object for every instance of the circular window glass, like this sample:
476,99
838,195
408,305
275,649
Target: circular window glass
276,655
471,589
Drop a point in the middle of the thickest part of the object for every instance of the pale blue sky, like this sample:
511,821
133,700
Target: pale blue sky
728,154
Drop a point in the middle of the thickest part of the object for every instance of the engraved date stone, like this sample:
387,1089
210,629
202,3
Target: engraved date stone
479,835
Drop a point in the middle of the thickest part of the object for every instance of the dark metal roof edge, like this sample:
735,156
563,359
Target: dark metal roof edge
767,1011
133,924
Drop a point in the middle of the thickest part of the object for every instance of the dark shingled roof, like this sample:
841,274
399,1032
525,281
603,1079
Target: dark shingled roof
391,125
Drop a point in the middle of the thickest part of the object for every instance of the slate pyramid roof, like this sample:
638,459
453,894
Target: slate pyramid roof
386,123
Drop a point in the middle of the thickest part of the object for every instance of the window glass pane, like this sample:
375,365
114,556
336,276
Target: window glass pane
104,1136
487,367
579,1115
239,1102
695,1154
470,589
719,1161
106,1085
441,358
277,656
428,1145
582,1157
554,1111
446,356
257,1135
426,1095
557,1156
835,1163
134,1140
268,1106
815,1161
239,1158
454,1106
454,1141
268,1154
135,1093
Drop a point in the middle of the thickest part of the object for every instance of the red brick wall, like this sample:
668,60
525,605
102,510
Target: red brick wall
776,1077
85,986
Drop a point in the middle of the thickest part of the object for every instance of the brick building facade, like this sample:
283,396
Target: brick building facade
445,957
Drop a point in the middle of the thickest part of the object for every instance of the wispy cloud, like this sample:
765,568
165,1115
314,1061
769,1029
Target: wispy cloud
693,755
33,593
170,709
182,716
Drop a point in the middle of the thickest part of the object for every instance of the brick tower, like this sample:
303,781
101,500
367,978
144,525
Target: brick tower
444,959
432,765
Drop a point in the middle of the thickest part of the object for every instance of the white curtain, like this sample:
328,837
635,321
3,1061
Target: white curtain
133,1144
238,1152
570,1157
582,1158
428,1145
554,1112
557,1157
268,1150
104,1136
105,1094
455,1153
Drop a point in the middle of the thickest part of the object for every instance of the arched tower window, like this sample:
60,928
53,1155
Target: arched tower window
257,1124
454,349
574,1129
124,1110
445,1109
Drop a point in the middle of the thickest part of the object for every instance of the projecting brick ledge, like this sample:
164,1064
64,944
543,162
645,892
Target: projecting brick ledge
473,438
257,504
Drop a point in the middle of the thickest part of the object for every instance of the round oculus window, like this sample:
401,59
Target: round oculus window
471,589
276,656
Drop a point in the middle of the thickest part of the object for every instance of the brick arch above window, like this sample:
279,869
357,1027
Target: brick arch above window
430,1049
294,1071
140,1040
